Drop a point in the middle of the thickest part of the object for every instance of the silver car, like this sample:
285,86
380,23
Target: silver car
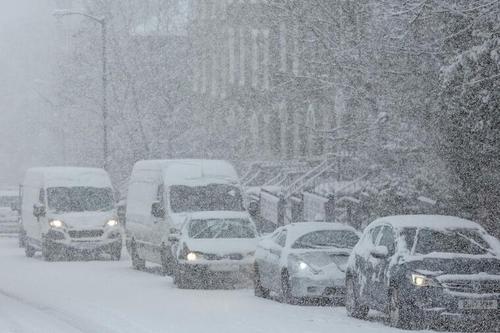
304,261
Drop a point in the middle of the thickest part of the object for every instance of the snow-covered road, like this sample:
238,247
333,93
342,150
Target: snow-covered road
104,296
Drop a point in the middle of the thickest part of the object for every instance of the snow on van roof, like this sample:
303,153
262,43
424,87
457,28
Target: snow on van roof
425,221
192,172
71,176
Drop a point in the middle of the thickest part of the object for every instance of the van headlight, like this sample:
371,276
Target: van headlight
420,280
56,223
191,256
112,223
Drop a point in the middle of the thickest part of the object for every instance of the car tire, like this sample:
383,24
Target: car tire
259,290
166,263
181,280
29,250
137,262
352,302
286,290
401,315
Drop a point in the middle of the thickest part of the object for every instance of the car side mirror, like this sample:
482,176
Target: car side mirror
157,210
39,210
380,252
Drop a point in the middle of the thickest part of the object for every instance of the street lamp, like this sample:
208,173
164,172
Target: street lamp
102,21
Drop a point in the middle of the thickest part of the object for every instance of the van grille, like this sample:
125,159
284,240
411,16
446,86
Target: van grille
85,233
477,287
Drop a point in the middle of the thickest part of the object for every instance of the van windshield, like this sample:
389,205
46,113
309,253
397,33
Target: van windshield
213,197
80,199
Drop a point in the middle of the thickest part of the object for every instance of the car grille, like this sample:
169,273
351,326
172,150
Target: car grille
477,287
85,233
233,256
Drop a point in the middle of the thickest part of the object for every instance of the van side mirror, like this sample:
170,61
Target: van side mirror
157,210
380,252
39,210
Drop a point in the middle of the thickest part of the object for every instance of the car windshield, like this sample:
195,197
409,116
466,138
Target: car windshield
463,241
80,199
213,197
321,239
221,228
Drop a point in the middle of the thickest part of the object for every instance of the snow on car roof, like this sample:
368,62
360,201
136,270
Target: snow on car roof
425,221
72,176
218,215
296,230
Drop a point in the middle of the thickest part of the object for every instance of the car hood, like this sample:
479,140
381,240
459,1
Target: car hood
221,246
457,265
84,220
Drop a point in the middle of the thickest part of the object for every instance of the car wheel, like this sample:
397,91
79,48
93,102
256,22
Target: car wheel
259,290
286,290
352,303
166,263
181,280
400,315
137,263
29,250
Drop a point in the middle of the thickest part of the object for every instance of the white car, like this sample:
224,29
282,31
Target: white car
304,261
213,245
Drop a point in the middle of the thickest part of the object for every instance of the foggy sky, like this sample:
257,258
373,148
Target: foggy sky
26,53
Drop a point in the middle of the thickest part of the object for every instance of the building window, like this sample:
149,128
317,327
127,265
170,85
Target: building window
242,56
266,59
232,60
283,48
255,58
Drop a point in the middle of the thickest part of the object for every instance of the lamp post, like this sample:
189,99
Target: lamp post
104,106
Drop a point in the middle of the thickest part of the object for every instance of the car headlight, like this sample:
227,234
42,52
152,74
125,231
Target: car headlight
56,223
112,223
299,266
191,256
420,280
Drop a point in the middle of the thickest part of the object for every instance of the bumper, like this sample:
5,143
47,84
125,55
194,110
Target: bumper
440,305
304,287
215,267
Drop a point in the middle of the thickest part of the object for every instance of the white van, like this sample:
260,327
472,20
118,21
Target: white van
161,195
67,209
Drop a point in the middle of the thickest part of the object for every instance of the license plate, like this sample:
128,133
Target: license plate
478,304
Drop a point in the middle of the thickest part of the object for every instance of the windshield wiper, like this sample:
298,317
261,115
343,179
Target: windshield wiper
476,243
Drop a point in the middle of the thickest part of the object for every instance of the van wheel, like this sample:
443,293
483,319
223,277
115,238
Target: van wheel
116,253
29,250
137,263
166,262
259,290
352,304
